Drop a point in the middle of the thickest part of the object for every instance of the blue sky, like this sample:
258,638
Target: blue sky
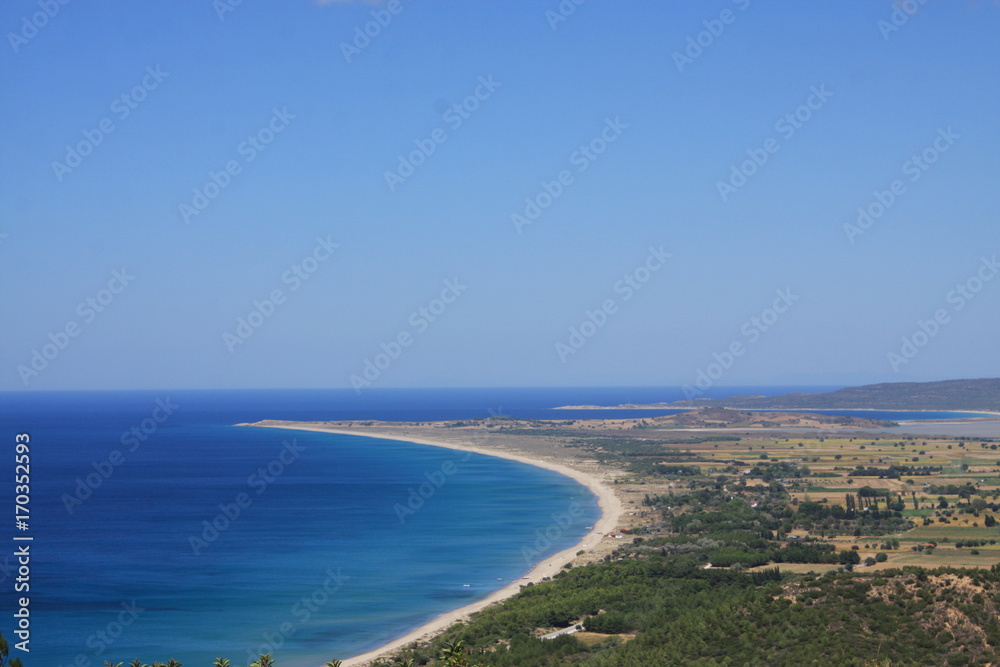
739,138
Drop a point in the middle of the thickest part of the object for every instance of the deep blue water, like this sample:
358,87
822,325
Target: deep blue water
322,561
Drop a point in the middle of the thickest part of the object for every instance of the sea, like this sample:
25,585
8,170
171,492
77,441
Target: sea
161,529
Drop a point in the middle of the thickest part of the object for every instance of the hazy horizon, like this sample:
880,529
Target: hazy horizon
714,391
360,195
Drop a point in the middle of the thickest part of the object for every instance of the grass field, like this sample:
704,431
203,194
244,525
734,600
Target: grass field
803,568
593,638
952,532
920,512
941,557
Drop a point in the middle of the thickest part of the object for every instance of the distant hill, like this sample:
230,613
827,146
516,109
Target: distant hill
983,394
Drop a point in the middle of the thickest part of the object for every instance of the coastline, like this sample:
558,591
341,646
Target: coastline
609,505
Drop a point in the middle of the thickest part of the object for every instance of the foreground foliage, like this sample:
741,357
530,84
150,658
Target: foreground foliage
681,614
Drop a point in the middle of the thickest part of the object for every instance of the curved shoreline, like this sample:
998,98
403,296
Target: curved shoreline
608,503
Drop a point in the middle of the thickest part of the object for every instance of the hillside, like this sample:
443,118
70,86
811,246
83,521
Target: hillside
651,612
982,394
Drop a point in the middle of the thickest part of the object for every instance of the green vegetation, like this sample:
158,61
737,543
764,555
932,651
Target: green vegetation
681,614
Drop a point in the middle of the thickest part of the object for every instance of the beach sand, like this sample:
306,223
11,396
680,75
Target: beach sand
610,506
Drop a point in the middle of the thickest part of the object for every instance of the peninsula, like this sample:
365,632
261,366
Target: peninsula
721,523
980,395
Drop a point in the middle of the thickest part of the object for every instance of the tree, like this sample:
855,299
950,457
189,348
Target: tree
221,662
454,655
4,651
263,660
849,557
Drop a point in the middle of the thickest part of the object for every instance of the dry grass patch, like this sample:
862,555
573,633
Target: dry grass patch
591,639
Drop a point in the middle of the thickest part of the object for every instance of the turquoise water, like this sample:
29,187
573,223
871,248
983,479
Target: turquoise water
325,559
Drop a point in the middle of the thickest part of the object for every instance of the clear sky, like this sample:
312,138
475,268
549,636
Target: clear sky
652,176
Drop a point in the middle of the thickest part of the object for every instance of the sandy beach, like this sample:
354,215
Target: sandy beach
610,507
